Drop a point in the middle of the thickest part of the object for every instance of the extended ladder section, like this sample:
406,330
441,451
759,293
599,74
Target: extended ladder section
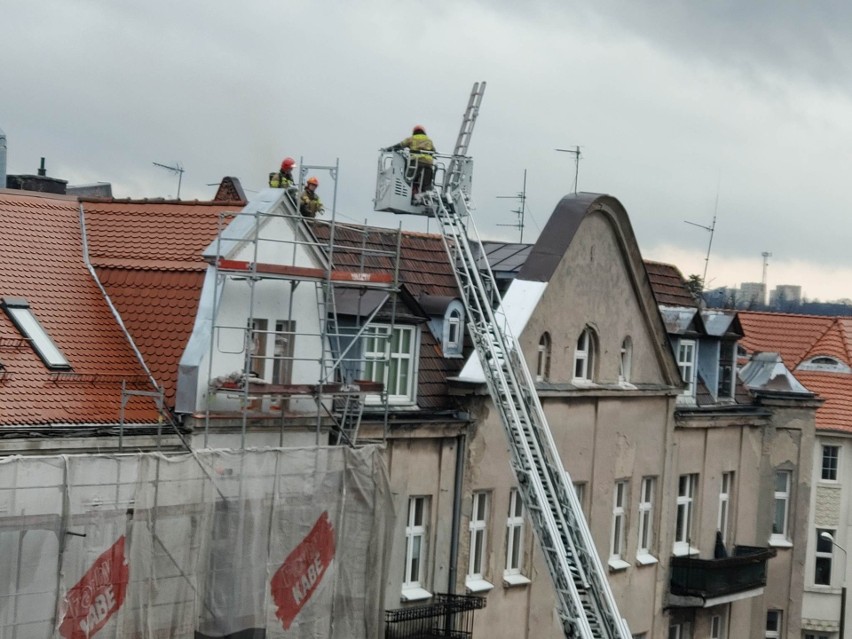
585,601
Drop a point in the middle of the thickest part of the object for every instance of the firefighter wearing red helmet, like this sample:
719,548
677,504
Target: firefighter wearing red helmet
310,204
283,178
421,149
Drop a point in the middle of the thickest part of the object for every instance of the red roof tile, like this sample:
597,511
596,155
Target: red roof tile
148,257
41,244
801,337
793,336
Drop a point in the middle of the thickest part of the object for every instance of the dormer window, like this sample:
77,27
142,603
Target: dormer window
542,367
18,310
454,329
824,363
686,363
584,356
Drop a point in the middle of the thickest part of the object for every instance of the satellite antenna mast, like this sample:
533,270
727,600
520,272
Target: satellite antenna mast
576,153
177,168
712,229
520,211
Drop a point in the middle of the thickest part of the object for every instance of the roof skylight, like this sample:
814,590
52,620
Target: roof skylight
18,310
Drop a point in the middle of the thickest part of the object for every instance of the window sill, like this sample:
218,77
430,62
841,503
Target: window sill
780,543
415,594
682,550
514,580
477,585
646,560
617,564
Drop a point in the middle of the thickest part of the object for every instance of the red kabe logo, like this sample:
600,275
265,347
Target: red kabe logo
97,596
299,576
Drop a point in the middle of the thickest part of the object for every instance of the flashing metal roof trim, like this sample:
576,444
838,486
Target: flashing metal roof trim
518,305
680,320
719,323
766,371
562,226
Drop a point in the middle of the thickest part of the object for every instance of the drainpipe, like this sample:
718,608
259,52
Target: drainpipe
2,159
461,442
112,307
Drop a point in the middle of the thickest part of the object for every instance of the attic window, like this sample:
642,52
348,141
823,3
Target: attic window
454,330
825,363
18,310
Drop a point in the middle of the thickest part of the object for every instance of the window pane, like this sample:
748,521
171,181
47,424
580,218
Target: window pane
780,517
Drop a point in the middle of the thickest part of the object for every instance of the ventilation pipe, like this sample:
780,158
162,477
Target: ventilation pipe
2,159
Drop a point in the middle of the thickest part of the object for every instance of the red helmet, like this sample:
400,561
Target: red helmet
418,128
313,180
287,164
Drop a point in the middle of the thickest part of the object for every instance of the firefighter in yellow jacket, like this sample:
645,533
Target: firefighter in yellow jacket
309,204
422,150
283,178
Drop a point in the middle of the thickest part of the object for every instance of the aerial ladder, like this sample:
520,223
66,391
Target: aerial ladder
585,602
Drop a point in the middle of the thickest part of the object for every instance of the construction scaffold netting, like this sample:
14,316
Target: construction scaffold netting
250,544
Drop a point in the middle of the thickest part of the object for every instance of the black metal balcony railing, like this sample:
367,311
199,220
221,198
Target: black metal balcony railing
744,570
447,616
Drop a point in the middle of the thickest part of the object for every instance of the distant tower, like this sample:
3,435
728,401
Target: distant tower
766,255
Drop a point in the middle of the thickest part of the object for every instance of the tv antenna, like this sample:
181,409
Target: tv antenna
712,229
520,211
576,153
177,168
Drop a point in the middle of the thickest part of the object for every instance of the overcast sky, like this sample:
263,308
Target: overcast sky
681,109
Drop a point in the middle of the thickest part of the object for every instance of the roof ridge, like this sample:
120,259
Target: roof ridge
844,336
792,315
810,347
160,200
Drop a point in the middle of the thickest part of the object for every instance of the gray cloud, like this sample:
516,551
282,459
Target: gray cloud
673,103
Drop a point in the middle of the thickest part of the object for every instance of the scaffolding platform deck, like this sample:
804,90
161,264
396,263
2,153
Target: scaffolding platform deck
292,272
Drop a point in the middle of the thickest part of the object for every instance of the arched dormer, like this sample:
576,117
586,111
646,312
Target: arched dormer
825,364
446,322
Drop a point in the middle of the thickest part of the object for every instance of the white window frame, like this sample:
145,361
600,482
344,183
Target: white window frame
824,554
679,631
835,471
718,623
617,543
685,514
776,632
379,360
416,551
625,360
19,311
645,543
454,330
781,497
513,572
478,549
687,352
542,366
584,356
725,489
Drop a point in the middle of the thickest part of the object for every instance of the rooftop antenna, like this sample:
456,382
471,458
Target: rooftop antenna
177,168
522,196
712,229
576,153
766,255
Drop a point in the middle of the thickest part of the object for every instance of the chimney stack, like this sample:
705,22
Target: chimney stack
41,170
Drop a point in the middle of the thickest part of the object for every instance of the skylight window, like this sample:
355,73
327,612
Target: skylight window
18,310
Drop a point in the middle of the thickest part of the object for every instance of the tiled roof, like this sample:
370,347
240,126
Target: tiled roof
41,245
423,269
668,285
793,336
836,390
798,338
148,256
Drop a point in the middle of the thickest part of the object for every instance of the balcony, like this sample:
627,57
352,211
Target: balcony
449,616
706,582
